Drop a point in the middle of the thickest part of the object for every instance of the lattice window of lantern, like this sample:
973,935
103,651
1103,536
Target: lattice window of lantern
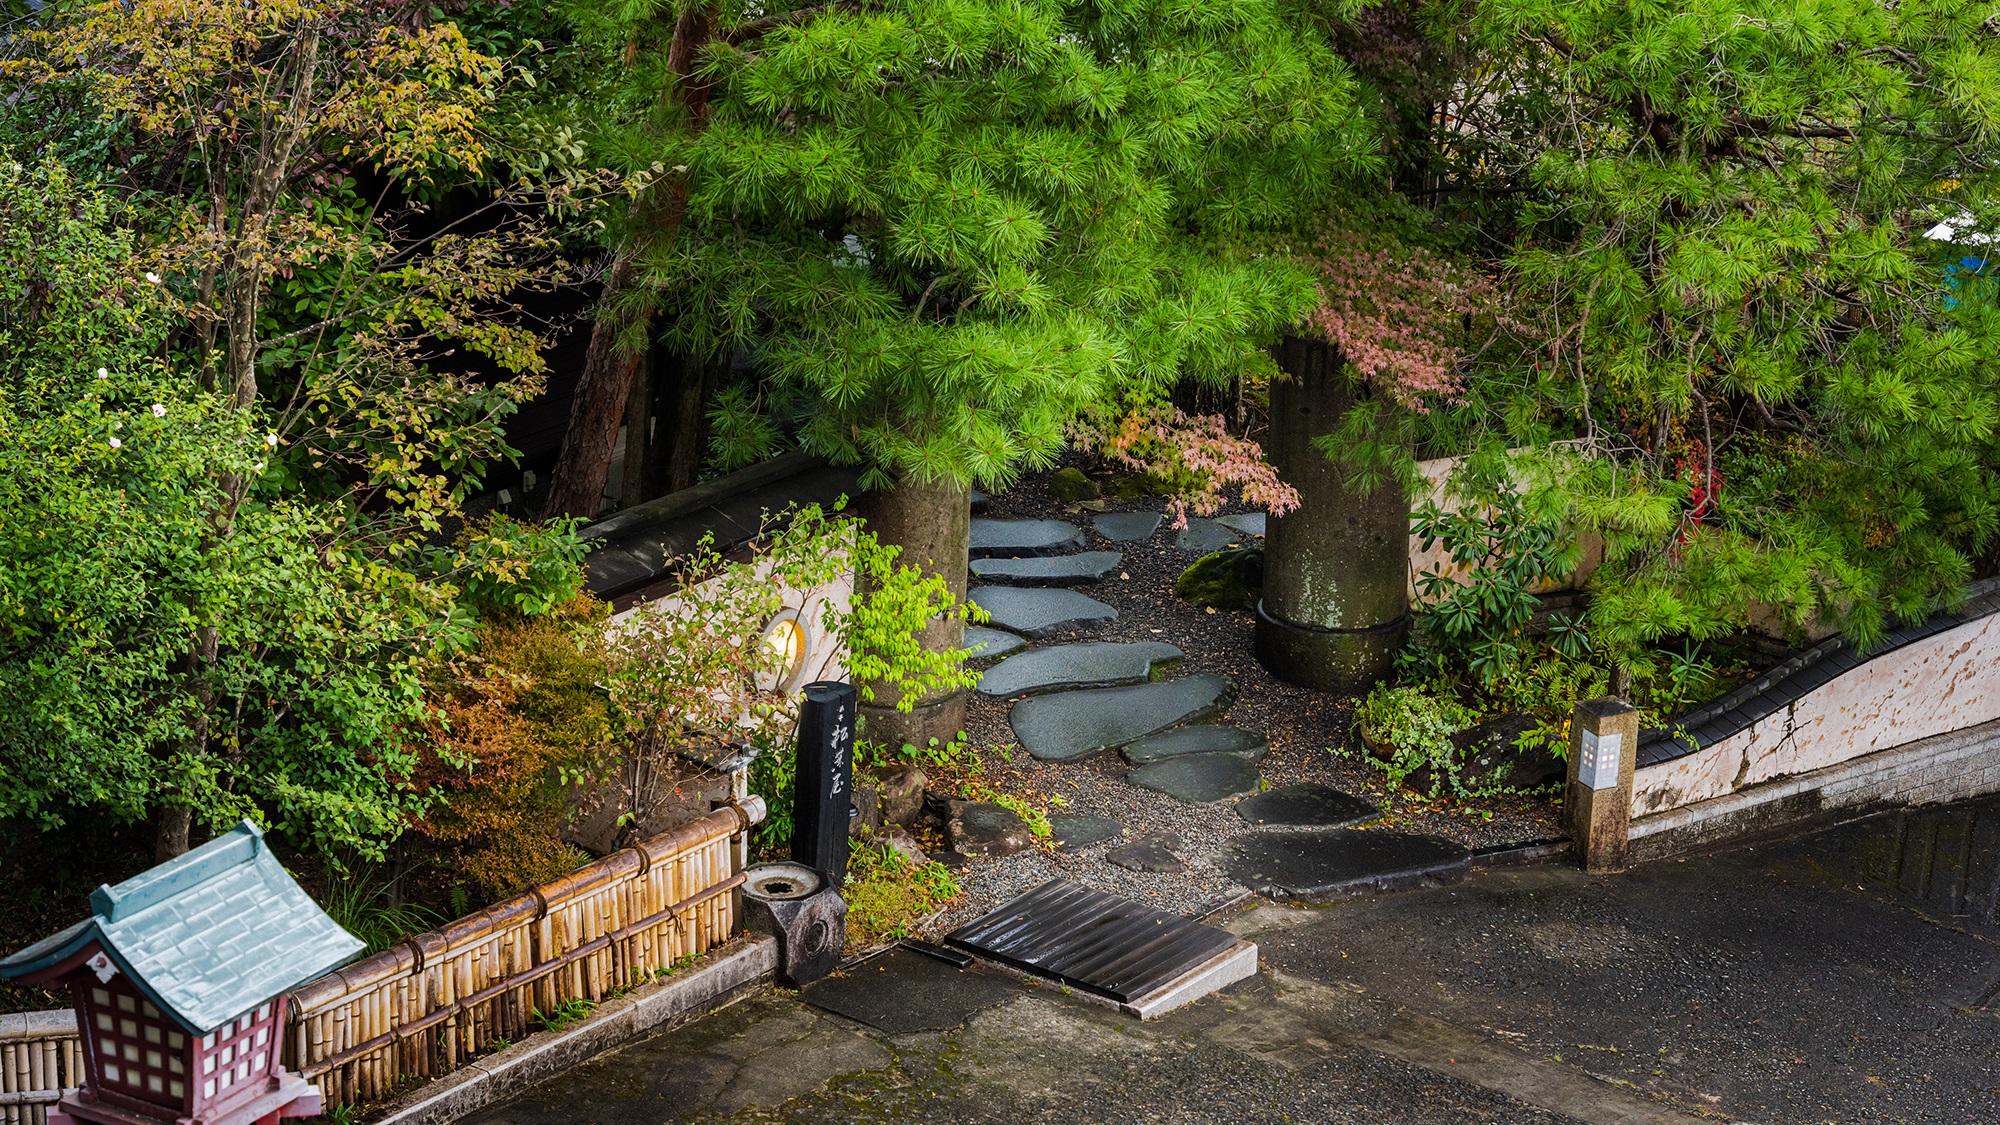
140,1052
242,1050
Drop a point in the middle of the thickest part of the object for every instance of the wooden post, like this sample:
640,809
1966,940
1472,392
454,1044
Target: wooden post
1603,743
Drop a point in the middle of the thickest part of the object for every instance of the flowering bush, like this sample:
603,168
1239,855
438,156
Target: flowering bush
1192,456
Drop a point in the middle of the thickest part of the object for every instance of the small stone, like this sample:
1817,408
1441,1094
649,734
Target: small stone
1034,612
1059,570
1309,805
982,643
904,844
899,790
1075,724
1231,579
949,859
1127,527
1091,664
980,829
1014,538
1341,863
1203,537
1249,523
1203,738
1070,486
867,807
1199,778
1152,852
1076,831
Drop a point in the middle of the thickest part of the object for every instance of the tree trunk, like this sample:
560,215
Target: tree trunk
932,523
576,488
634,481
681,392
171,838
1336,569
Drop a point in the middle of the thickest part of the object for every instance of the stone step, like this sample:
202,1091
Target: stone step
1075,724
1055,570
1090,664
1199,779
1202,537
1020,538
1034,612
1341,863
1203,738
1309,805
986,644
1127,527
1075,831
1249,523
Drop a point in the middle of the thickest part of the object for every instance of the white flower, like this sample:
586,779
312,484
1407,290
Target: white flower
115,443
159,410
271,440
152,278
103,374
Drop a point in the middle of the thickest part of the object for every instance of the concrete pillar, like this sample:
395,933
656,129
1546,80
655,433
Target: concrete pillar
1336,569
1603,745
932,523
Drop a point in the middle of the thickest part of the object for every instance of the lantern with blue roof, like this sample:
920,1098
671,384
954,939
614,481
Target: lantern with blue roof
179,980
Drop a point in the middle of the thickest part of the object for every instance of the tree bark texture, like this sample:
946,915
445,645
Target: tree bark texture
1336,569
932,523
634,480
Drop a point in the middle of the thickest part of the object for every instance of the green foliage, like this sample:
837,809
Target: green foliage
1416,726
885,893
360,900
560,1017
514,568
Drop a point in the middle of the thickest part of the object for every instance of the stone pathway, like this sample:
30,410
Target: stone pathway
1083,698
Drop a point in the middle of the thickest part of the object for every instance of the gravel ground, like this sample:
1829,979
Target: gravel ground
1304,727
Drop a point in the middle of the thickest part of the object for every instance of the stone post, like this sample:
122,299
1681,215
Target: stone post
1336,570
1603,745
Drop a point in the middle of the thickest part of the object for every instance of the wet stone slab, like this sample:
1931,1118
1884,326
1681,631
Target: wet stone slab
985,644
1200,537
1091,664
1201,739
1199,779
1076,831
1004,538
1035,612
1055,570
900,992
1127,527
1341,863
1153,852
1076,724
1249,523
1310,805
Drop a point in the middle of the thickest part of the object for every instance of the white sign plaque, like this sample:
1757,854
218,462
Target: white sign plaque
1599,767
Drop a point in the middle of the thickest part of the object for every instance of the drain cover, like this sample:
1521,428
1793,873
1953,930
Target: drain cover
1109,945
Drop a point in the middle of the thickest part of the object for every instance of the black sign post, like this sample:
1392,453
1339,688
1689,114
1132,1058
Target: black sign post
824,793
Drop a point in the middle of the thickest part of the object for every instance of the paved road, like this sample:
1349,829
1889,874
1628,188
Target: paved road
1768,984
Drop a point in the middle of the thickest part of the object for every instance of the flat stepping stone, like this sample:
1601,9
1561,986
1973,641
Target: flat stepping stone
978,499
1077,724
1341,863
1203,537
901,991
1199,779
985,644
1152,852
981,829
1312,804
1091,664
1076,831
1249,523
1058,570
1127,527
1035,612
1024,537
1201,739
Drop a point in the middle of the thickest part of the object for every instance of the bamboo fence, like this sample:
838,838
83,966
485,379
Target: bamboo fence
426,1006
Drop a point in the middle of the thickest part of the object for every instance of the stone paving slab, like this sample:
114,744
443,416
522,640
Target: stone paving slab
1076,724
1034,612
1153,852
1076,831
1204,738
1024,537
1054,570
985,644
1310,805
1201,537
1249,523
900,992
1199,779
1127,527
1090,664
1341,863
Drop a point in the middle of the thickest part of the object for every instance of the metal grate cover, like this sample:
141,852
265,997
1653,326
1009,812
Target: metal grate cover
1087,939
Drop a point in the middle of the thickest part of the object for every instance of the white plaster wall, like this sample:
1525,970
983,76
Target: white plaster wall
1944,683
1436,473
825,659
